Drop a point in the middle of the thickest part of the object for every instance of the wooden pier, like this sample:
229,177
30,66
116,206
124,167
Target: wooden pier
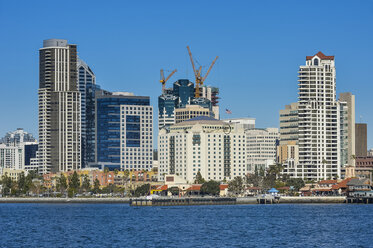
182,201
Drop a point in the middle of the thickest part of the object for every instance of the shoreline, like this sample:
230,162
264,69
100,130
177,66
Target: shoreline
238,200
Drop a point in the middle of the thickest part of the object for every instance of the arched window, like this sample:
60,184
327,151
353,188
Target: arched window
316,62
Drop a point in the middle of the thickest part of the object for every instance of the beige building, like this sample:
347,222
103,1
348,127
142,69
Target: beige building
348,129
189,112
261,148
212,147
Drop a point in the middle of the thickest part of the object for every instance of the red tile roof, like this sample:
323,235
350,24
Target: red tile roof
321,56
223,186
196,187
284,188
328,182
342,184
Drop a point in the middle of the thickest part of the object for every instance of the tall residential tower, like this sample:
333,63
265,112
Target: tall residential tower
59,108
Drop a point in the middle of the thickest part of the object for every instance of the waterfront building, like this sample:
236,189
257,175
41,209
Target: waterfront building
59,108
204,145
124,131
288,149
319,119
16,137
361,147
261,148
17,156
347,128
87,88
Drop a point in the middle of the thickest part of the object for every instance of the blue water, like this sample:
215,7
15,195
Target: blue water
119,225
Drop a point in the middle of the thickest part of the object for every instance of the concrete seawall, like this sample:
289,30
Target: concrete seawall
64,200
312,199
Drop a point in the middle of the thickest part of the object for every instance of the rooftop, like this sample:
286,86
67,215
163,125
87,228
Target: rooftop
321,56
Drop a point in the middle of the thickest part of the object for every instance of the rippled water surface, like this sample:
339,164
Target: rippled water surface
119,225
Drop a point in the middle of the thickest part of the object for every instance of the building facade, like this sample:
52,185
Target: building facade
16,137
204,145
261,148
87,88
59,108
361,147
347,132
319,143
124,131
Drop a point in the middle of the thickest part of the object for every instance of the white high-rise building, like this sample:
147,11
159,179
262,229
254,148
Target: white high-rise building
214,148
261,148
59,108
319,119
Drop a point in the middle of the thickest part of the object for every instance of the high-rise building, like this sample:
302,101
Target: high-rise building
261,148
318,111
181,97
16,137
204,145
59,108
361,148
124,131
347,128
87,87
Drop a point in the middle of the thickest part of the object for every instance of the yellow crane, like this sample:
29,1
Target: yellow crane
164,80
198,74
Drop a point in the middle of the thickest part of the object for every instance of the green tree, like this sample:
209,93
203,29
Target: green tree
61,183
199,179
142,190
236,186
74,182
96,186
86,184
7,184
297,183
210,188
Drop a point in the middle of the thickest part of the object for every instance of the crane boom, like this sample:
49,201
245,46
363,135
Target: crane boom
172,73
208,71
191,60
164,80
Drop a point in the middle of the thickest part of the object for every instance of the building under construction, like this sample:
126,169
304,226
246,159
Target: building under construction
186,100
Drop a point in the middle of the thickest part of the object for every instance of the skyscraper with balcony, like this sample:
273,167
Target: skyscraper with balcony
59,107
319,119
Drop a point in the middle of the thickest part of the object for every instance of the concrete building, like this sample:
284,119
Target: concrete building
261,148
211,93
202,144
319,119
347,124
189,112
361,147
59,108
124,131
17,156
288,149
16,137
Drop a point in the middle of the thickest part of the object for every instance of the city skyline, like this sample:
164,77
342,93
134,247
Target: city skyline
134,67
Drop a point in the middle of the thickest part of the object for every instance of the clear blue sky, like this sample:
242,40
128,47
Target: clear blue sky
260,46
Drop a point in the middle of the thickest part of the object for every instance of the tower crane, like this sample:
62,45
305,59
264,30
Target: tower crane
198,73
163,80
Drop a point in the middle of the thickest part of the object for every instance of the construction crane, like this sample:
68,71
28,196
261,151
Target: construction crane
198,73
163,80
